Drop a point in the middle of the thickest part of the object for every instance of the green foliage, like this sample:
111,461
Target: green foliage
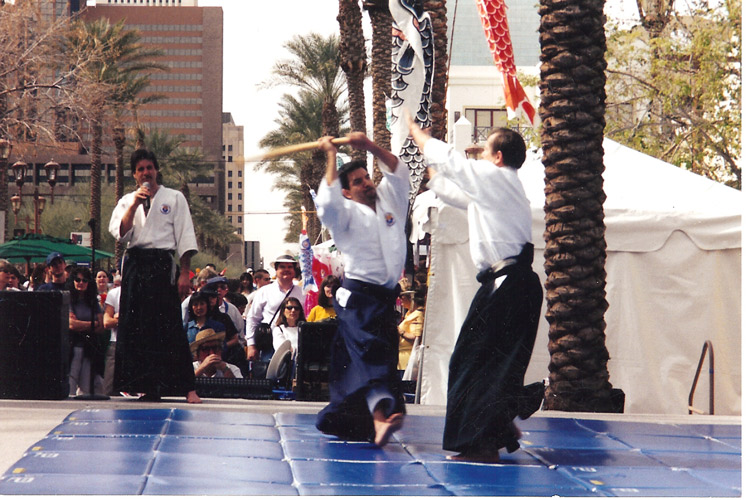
70,214
676,95
314,70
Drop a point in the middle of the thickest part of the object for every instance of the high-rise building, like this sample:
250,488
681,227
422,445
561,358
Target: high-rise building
192,41
233,154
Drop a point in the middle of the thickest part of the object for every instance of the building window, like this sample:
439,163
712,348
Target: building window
229,207
239,207
239,219
229,196
239,196
239,173
484,120
229,185
230,218
229,173
239,185
230,147
229,159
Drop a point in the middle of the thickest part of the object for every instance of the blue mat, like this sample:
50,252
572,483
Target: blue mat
194,452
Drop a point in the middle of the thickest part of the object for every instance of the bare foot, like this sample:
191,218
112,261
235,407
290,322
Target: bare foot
192,397
484,457
384,427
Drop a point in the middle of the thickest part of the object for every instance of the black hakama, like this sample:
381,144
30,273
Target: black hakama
487,368
364,358
153,355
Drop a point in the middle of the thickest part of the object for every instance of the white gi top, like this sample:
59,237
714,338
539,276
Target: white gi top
265,303
499,212
373,244
168,225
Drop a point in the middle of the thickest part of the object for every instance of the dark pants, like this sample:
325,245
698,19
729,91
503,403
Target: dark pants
153,355
488,365
364,358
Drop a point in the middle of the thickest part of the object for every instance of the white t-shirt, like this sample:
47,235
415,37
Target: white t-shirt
113,299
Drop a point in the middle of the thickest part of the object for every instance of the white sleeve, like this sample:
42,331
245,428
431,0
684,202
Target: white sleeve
184,232
116,219
331,206
278,337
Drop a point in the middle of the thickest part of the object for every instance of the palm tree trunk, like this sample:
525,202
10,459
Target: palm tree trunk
381,20
119,140
354,65
95,203
438,113
572,110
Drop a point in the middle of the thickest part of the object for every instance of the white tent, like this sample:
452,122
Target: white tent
673,282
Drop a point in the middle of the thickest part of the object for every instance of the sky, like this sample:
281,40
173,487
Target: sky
254,35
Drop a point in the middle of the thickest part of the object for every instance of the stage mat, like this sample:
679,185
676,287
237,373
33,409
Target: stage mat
171,451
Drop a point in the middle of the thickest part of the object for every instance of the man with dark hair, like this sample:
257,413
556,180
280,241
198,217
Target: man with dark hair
367,224
153,356
487,368
55,273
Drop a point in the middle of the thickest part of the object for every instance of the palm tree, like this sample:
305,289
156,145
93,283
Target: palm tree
354,64
300,120
438,113
572,110
315,70
381,20
178,167
114,54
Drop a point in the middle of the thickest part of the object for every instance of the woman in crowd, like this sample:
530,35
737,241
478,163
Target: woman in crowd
246,285
102,285
324,309
198,316
287,326
85,328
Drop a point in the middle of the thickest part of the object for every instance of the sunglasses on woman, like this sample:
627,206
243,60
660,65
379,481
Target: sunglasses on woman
292,308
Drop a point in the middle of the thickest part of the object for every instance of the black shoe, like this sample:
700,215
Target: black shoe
531,399
150,398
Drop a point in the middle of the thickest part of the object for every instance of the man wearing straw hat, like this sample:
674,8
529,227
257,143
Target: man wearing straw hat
367,224
206,349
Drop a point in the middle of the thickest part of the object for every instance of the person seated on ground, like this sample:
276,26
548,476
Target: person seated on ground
324,309
287,326
199,317
207,362
87,343
410,329
234,350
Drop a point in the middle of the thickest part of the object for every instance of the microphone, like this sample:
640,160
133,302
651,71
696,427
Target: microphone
147,202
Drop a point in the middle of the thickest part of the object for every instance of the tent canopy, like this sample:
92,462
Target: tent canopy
654,196
36,247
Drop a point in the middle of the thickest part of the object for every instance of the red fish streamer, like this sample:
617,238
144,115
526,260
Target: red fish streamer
495,23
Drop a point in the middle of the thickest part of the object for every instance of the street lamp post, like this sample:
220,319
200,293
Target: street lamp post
19,172
5,149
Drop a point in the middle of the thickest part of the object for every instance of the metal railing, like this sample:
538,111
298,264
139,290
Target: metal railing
707,347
